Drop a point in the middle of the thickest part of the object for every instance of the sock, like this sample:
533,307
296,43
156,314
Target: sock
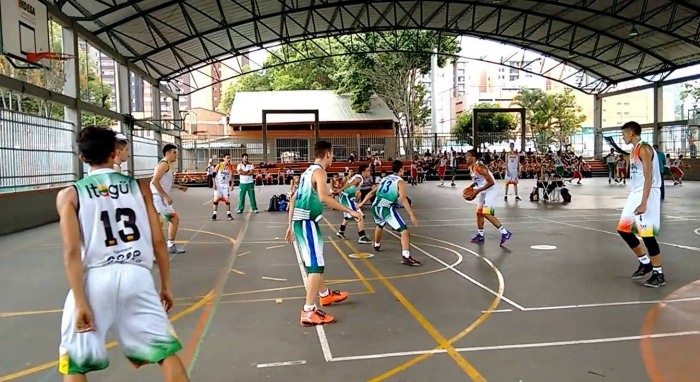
658,270
309,308
213,213
324,294
644,259
361,233
342,228
376,244
480,231
171,243
502,230
406,254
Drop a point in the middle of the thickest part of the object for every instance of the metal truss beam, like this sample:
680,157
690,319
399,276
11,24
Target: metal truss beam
633,89
361,45
361,23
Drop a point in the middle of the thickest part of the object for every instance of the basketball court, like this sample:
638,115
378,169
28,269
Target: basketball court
544,299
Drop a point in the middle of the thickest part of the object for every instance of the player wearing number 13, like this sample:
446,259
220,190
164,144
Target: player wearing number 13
391,190
111,235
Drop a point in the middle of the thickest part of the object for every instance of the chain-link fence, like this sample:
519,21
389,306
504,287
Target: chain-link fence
679,140
35,152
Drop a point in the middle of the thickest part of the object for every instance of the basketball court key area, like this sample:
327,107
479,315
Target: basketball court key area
554,304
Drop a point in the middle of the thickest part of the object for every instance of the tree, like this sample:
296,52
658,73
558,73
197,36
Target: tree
358,70
250,82
550,117
501,124
692,90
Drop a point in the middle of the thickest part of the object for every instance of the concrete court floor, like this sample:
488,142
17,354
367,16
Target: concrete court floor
569,314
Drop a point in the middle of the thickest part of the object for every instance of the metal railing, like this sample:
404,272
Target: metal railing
35,152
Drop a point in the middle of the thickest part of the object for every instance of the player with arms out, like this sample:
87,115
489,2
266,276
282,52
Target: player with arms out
305,211
641,214
483,189
392,189
111,236
347,198
223,185
161,184
512,171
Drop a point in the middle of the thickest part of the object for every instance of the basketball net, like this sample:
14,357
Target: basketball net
53,68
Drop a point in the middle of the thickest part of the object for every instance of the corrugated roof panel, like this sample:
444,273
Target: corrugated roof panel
248,106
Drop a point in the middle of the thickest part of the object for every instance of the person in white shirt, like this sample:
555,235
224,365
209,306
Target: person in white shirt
122,150
247,185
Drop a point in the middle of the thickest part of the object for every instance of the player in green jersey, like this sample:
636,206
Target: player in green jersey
346,197
392,189
305,211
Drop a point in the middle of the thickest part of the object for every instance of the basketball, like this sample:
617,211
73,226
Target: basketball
468,193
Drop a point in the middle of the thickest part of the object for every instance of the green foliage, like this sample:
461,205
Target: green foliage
550,117
354,68
486,123
691,90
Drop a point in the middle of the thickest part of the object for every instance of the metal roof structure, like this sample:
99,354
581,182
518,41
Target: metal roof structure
611,40
247,107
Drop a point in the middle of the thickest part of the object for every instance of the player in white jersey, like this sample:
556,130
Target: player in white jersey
453,166
676,166
641,214
162,182
111,236
122,152
512,171
223,185
486,195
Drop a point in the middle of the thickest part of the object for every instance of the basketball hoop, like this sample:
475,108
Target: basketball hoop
53,72
34,58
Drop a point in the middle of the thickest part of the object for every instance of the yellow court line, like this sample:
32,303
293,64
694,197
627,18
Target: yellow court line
29,313
278,298
352,266
442,341
110,345
469,329
234,270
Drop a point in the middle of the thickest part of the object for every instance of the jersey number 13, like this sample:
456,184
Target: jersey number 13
128,217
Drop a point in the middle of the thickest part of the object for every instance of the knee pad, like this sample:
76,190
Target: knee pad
216,204
228,203
652,246
629,238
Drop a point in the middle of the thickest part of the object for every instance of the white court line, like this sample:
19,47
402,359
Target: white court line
600,305
616,234
325,347
518,346
457,271
697,231
276,364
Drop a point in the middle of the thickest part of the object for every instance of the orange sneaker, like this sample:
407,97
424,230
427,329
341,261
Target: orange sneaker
333,297
315,317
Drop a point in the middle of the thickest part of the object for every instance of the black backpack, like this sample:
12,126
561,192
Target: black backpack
565,195
274,203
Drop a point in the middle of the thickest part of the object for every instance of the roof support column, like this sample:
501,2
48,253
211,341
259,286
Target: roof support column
71,88
157,117
264,136
124,107
658,112
598,126
177,121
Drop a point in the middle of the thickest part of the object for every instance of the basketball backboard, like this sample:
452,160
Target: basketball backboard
25,29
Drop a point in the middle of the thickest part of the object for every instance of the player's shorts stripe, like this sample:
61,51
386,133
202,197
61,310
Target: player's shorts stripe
311,242
397,216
